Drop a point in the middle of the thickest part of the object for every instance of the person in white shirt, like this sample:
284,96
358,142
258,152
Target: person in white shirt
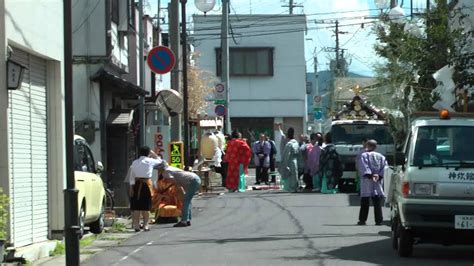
190,183
141,186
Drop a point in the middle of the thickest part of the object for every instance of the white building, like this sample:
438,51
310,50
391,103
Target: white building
267,69
31,118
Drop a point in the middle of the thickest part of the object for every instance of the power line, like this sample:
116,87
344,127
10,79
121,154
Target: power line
87,18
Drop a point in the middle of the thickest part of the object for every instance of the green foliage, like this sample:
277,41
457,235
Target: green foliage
405,55
117,227
4,206
59,250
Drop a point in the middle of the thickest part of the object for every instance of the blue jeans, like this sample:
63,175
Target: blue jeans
190,191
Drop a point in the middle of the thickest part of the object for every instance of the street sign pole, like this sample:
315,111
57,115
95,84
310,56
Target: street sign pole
225,61
185,83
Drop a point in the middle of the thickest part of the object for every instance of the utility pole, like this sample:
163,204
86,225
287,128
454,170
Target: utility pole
317,93
141,107
185,83
291,6
174,42
71,221
337,48
339,54
225,75
158,25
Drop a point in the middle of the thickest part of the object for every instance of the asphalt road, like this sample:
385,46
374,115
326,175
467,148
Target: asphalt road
275,228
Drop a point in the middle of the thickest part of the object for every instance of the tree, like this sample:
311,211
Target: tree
412,53
199,87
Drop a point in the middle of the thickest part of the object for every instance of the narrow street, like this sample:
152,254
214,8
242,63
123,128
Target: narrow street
275,228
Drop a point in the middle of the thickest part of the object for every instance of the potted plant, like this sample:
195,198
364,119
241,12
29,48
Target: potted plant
4,205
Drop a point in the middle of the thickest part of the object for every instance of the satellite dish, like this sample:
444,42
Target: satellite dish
205,5
170,102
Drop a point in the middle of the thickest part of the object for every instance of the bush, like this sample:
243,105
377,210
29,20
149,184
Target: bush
4,205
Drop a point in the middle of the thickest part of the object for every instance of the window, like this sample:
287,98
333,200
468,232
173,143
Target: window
255,61
439,146
83,159
131,13
115,11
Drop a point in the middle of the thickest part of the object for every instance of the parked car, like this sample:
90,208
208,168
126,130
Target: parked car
91,197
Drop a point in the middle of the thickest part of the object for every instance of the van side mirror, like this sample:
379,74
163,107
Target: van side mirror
400,158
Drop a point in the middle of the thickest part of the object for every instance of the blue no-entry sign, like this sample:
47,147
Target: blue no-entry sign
161,60
220,110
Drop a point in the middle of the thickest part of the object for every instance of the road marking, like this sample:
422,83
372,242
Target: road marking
138,249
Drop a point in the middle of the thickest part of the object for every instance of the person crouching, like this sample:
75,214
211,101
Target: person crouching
190,183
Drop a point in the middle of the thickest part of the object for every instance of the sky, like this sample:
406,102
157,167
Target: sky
355,19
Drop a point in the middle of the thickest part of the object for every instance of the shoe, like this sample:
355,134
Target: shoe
361,223
181,224
379,223
257,183
146,229
137,230
188,223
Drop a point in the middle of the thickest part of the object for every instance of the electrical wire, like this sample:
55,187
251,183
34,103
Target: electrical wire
88,16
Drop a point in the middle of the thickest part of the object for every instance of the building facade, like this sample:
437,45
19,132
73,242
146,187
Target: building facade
107,80
32,122
267,70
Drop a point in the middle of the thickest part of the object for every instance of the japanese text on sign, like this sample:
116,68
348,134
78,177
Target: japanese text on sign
159,144
176,154
460,176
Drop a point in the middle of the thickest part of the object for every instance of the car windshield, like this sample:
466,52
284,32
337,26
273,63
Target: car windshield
355,133
444,146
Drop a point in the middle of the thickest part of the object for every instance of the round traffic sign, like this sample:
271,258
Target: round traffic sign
317,99
220,88
220,110
161,60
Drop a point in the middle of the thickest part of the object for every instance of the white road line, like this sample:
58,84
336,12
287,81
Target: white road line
138,249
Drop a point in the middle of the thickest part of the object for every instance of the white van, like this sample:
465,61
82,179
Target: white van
431,193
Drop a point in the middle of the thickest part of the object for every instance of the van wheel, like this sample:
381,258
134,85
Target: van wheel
405,242
395,233
98,226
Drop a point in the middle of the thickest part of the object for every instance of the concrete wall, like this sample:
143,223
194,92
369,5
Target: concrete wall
23,19
280,95
89,28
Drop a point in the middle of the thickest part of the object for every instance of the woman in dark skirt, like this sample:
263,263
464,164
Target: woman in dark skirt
141,186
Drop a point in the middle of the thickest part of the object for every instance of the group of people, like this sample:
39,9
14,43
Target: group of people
315,160
321,167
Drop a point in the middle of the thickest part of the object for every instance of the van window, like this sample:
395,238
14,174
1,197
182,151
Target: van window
355,133
438,145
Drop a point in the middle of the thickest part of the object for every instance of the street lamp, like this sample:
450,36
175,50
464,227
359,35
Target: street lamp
205,5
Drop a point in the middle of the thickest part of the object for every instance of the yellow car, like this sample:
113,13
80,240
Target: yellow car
91,198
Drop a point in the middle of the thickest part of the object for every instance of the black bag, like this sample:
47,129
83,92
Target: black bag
338,167
273,150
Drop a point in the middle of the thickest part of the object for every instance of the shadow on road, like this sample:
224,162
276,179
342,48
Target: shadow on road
380,252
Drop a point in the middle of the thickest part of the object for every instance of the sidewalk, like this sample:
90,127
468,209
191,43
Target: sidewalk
93,244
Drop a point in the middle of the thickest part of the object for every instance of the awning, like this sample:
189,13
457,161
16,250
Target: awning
120,117
117,83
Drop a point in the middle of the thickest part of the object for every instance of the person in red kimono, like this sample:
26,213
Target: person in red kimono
238,156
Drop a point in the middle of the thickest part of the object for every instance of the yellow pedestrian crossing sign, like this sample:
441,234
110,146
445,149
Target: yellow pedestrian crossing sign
176,154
